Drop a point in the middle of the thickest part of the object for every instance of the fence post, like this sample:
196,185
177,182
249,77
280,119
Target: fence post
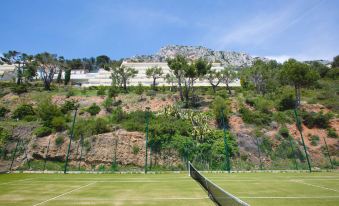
146,142
49,141
260,164
228,164
82,145
16,147
70,140
328,153
302,138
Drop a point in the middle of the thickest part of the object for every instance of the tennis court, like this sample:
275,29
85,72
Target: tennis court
167,189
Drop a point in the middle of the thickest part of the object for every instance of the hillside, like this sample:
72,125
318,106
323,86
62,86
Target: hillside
186,121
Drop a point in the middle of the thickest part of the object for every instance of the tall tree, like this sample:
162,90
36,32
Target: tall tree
48,65
74,64
30,70
121,75
299,75
103,61
154,73
178,66
19,60
262,75
89,64
320,68
214,77
335,63
201,67
228,75
170,79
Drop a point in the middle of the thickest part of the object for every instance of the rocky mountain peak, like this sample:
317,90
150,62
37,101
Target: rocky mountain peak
226,58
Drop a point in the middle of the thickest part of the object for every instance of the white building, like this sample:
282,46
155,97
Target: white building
103,77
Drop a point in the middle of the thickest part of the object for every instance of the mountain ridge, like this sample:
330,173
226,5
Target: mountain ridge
225,58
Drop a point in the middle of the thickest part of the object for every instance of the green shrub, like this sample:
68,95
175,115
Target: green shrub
135,149
250,101
59,123
151,93
30,118
113,91
46,111
284,132
68,106
19,89
222,94
287,102
101,91
266,145
59,140
89,127
283,117
42,131
84,91
4,137
263,105
135,121
101,126
94,109
70,93
314,140
87,145
332,133
3,111
23,110
218,105
254,117
108,103
312,119
117,115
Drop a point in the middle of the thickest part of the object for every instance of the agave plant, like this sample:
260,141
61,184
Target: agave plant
198,120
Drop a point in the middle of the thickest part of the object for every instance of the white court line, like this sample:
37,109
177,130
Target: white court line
326,188
202,198
64,194
84,181
5,183
302,197
146,199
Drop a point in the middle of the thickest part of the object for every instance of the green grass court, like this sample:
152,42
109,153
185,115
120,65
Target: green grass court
297,189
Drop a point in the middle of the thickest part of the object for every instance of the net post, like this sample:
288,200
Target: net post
70,140
302,138
189,168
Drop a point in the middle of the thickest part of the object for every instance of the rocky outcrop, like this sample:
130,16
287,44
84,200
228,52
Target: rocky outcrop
225,58
123,147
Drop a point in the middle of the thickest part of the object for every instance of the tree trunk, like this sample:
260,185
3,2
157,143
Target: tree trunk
228,88
214,88
154,83
125,85
297,96
180,89
47,85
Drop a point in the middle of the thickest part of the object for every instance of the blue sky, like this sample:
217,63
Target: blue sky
303,29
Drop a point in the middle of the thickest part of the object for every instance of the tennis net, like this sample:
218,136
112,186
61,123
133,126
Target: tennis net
215,193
